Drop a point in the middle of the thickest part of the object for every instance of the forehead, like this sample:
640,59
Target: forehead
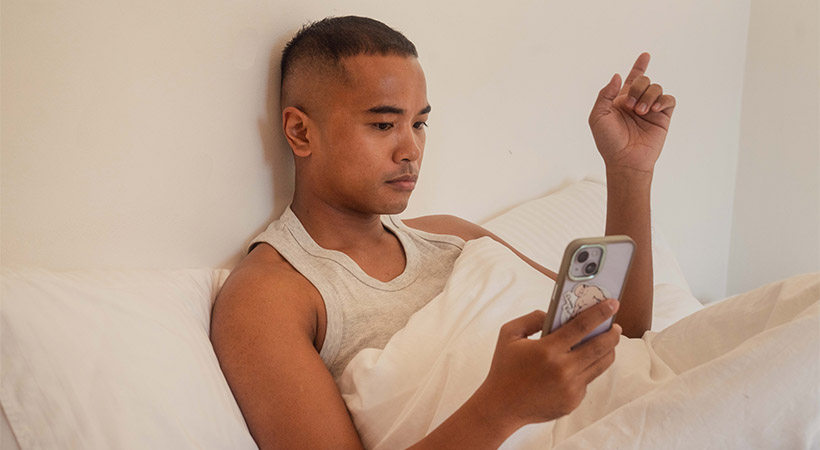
382,80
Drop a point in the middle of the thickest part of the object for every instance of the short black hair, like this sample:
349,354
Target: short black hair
329,40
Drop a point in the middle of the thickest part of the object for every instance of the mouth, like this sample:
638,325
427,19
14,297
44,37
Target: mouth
404,182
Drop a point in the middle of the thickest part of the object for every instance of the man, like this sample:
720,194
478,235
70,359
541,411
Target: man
335,275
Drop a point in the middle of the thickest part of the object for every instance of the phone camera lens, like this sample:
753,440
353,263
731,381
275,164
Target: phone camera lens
582,256
589,269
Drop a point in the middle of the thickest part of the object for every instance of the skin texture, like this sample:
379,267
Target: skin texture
358,142
629,123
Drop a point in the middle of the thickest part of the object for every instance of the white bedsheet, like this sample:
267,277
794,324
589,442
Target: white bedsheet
740,374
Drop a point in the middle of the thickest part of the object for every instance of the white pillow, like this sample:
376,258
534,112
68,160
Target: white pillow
543,227
114,359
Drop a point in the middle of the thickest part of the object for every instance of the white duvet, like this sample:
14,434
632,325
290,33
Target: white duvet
740,374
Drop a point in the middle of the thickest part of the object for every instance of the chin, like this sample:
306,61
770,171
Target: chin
392,203
395,207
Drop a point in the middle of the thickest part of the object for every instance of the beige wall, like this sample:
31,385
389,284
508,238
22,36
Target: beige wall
776,221
135,134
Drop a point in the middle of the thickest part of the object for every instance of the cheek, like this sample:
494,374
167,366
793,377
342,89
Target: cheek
421,142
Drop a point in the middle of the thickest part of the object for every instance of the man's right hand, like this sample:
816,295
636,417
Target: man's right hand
538,380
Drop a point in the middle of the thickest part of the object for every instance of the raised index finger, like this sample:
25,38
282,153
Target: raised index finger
638,69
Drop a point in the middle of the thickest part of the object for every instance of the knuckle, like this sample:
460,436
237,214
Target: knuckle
609,359
505,327
554,366
567,408
603,364
503,330
560,374
607,344
582,323
566,375
599,346
575,399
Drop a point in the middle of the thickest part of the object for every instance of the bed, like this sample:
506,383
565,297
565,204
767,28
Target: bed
122,359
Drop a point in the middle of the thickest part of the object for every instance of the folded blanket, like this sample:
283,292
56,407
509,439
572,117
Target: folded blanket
741,374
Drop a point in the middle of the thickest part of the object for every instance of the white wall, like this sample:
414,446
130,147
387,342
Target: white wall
776,222
137,134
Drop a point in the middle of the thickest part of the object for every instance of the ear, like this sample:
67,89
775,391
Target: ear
295,125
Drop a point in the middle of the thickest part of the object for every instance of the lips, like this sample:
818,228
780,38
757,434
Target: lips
404,182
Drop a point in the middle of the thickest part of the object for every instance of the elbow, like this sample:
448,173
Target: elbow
636,330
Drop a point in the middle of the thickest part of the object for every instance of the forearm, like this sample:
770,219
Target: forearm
628,212
475,425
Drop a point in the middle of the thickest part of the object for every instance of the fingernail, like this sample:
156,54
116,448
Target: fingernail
612,305
656,107
630,102
642,108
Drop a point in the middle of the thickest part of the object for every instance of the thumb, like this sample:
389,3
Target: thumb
523,326
605,97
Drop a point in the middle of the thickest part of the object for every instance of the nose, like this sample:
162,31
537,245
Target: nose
409,147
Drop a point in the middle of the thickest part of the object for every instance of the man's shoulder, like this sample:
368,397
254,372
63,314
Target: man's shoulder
265,280
447,224
265,264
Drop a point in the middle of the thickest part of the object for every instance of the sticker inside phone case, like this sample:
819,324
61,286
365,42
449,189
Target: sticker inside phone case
580,297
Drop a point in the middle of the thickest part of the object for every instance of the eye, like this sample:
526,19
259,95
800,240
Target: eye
383,126
419,125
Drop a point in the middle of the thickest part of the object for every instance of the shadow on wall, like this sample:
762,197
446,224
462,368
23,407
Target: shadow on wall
277,153
276,148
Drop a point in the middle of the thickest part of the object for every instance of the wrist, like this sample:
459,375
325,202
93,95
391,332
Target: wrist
628,176
480,423
492,414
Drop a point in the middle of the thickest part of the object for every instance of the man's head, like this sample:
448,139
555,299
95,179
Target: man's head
354,105
320,47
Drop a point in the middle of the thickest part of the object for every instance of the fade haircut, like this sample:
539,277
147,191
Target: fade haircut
321,46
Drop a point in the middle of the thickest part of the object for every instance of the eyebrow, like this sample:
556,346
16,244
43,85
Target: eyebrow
387,109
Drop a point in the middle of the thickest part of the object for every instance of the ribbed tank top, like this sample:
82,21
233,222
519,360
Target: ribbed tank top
363,312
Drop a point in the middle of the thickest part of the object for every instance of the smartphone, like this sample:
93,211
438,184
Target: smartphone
593,269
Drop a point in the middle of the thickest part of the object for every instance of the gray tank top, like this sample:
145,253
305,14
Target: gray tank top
363,312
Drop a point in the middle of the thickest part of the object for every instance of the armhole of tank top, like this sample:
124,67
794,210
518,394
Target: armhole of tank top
334,327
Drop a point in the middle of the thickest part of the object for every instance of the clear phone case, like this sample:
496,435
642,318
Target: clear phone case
592,270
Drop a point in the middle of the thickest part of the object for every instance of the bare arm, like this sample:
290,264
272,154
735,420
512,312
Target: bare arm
628,213
629,124
263,330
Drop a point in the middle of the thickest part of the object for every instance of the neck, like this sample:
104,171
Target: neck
337,228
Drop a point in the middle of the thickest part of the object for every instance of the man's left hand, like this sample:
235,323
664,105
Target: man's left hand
630,122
